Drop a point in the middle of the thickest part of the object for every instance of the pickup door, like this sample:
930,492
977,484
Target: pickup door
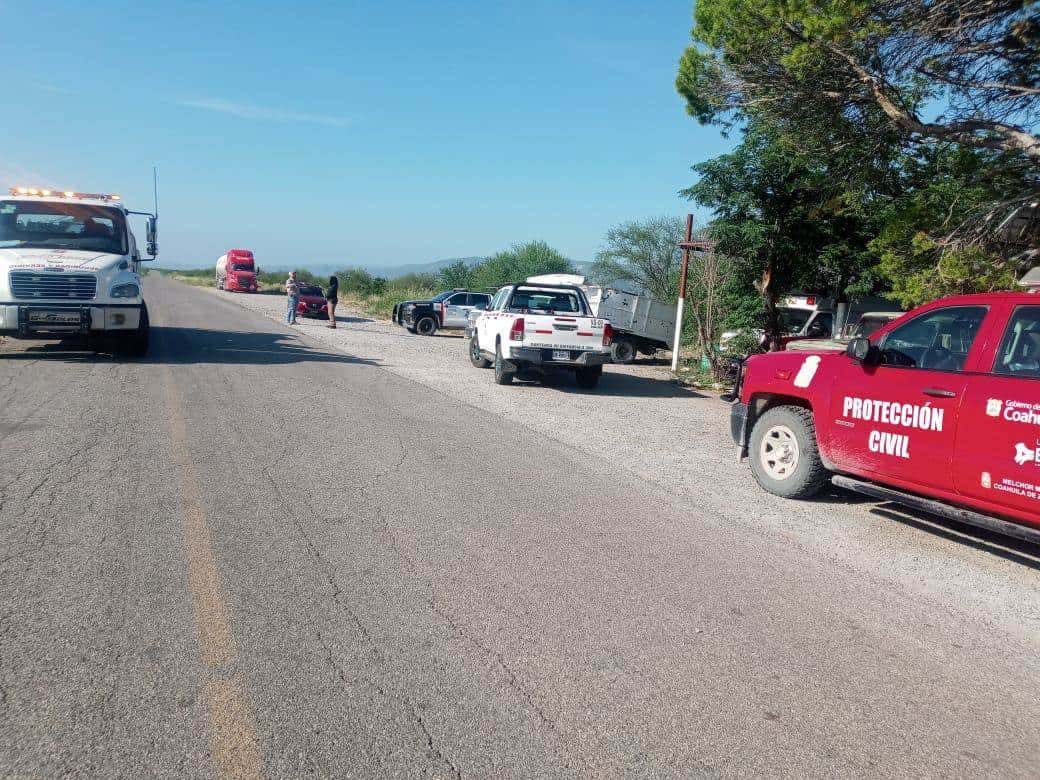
897,421
998,438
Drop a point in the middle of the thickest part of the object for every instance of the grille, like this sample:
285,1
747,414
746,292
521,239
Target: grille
30,285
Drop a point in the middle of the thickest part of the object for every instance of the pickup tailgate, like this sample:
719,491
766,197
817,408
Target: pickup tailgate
572,333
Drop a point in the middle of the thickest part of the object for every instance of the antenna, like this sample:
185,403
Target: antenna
155,188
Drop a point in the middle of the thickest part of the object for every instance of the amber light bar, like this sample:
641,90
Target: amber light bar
44,193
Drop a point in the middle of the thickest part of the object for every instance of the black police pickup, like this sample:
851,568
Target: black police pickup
450,309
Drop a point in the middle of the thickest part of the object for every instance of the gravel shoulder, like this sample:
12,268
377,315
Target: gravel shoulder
641,421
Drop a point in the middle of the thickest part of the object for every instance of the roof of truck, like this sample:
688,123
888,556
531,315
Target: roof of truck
95,201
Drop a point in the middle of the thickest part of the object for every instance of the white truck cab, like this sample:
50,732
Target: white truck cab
69,267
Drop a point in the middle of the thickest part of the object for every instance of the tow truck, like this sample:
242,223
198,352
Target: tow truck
69,267
530,329
938,410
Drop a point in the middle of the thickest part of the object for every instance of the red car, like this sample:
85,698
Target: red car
939,410
312,302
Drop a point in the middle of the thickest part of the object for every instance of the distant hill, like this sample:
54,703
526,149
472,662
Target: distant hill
432,267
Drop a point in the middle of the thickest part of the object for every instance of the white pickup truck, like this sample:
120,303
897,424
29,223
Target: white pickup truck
530,328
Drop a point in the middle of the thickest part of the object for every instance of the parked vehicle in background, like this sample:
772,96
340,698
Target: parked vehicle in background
69,267
814,317
641,324
312,302
449,309
533,328
870,323
867,325
236,271
939,410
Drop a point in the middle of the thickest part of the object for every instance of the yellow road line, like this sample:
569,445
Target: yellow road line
234,744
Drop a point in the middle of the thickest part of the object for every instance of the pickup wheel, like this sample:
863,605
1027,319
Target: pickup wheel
427,326
784,456
588,378
502,375
623,351
475,356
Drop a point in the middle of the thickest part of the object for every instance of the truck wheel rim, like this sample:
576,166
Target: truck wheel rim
778,453
474,349
424,327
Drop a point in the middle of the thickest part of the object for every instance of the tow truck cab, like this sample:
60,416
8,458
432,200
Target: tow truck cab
940,408
69,266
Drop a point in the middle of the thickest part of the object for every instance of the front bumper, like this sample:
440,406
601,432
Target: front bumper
540,356
53,320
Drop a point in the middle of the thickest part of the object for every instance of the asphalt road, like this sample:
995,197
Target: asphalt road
252,555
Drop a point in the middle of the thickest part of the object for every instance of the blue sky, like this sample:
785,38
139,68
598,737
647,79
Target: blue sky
356,132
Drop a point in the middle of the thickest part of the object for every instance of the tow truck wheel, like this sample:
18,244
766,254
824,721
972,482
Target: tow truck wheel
427,326
475,357
784,457
502,375
588,378
623,351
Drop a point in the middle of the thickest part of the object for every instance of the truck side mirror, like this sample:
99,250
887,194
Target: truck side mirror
862,351
152,236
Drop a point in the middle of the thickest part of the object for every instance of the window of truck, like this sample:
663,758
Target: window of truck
821,325
938,340
532,300
62,226
499,299
1019,353
792,320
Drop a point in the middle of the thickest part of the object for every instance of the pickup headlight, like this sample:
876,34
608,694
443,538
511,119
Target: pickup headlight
130,290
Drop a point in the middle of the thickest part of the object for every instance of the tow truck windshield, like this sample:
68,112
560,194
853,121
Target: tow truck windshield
62,226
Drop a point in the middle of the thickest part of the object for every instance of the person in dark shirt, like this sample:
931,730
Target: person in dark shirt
331,299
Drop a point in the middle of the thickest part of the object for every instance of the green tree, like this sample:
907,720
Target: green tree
785,222
925,242
358,281
517,263
458,274
858,84
645,253
977,62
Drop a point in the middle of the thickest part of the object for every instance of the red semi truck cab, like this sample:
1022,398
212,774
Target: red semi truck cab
236,271
939,409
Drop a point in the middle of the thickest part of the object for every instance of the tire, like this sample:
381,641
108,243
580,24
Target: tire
502,375
623,351
477,359
588,378
134,345
783,452
427,326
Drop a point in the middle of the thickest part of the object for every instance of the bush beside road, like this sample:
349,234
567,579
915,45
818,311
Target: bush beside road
641,421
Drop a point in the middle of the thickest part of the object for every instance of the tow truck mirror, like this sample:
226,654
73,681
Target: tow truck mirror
152,236
862,351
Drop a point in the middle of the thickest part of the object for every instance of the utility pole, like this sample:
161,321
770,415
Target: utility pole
686,245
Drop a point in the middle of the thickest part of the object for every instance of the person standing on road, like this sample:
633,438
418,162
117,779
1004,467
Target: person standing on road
332,298
292,292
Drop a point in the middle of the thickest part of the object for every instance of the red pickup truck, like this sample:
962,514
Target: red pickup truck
939,410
